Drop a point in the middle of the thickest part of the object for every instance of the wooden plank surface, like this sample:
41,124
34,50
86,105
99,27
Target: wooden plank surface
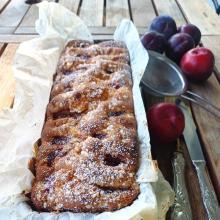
27,24
198,12
164,155
91,12
28,21
2,47
116,10
170,7
7,82
192,183
17,38
3,3
213,43
24,35
72,5
211,90
209,127
12,15
142,12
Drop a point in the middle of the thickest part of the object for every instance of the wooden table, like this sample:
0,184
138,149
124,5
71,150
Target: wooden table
17,21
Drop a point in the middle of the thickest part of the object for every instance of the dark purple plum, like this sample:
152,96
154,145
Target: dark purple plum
178,45
192,30
154,41
164,24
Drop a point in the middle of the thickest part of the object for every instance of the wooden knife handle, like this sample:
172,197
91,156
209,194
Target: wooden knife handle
181,209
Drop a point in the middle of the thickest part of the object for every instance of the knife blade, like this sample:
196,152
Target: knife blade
195,151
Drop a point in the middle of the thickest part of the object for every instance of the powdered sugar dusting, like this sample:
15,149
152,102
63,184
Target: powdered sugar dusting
92,158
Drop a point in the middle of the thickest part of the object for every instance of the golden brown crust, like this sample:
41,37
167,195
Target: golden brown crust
87,159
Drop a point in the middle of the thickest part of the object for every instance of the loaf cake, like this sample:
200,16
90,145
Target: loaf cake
88,155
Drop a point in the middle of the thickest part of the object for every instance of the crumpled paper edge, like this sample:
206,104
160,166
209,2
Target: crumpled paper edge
127,32
46,80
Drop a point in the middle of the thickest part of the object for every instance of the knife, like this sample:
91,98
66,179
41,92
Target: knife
195,151
181,209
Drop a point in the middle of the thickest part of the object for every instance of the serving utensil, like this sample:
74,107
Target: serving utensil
181,209
198,160
163,77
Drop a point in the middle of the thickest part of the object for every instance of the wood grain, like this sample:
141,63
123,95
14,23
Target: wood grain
209,127
212,42
197,207
2,47
23,32
7,82
3,3
91,12
142,12
12,15
170,7
198,12
28,21
116,10
111,30
70,4
17,38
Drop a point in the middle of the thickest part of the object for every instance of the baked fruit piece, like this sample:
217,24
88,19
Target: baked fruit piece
88,158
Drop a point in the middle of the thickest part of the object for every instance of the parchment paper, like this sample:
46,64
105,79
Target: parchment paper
34,65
